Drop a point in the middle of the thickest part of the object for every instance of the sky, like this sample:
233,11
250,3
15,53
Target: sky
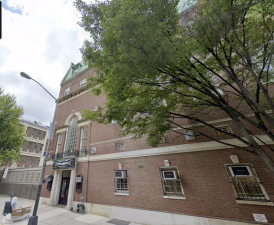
40,38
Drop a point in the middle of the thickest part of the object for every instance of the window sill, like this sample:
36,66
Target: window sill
121,193
174,197
254,202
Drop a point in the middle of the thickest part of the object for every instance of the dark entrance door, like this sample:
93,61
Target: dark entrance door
63,197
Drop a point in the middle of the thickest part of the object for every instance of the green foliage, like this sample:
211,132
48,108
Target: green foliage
11,133
157,74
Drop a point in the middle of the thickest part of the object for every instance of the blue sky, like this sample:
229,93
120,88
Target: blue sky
14,9
40,38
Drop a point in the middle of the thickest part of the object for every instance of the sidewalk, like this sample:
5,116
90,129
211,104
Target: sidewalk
48,215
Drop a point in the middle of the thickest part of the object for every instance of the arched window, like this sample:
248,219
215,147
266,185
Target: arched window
71,135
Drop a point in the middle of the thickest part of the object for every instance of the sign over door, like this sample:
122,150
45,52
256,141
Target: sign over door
64,164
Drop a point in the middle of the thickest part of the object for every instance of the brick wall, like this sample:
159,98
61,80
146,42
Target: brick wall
205,183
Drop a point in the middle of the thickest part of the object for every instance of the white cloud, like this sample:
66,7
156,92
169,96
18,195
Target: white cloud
42,42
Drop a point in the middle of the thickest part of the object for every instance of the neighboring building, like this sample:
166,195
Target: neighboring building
23,177
182,181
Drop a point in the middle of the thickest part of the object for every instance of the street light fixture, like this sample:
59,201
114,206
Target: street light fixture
33,220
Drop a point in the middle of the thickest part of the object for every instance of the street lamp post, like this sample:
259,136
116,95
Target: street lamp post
33,220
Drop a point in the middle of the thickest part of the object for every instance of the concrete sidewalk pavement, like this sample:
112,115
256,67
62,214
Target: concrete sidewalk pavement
48,215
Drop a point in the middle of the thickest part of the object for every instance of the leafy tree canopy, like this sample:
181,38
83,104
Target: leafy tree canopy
159,69
11,133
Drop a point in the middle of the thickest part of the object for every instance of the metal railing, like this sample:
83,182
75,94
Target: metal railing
249,190
172,187
68,154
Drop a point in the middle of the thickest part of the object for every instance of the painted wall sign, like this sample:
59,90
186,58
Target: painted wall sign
64,164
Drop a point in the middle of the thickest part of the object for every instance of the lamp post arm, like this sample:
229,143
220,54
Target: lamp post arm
44,89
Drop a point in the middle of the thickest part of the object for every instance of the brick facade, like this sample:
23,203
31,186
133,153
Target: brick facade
207,189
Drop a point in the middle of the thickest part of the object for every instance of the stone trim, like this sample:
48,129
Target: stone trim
73,94
254,203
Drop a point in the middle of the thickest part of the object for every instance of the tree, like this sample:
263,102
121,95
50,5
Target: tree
157,74
11,133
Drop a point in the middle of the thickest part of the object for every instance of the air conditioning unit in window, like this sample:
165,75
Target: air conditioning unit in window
169,175
120,174
240,171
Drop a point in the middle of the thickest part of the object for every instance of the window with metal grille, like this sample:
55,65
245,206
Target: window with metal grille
59,143
71,136
245,182
119,146
83,83
121,182
164,140
172,185
224,128
84,138
67,90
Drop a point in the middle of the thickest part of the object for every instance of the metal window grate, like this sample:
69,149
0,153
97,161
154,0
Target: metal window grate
164,140
248,189
121,185
222,128
119,146
172,187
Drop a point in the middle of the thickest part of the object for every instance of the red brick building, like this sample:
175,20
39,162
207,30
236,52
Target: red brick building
179,182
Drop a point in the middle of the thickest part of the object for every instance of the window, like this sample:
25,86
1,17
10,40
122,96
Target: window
171,182
217,85
36,145
41,147
67,90
121,184
32,133
71,137
29,146
245,182
164,140
39,133
83,83
84,138
224,128
75,70
59,143
119,146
